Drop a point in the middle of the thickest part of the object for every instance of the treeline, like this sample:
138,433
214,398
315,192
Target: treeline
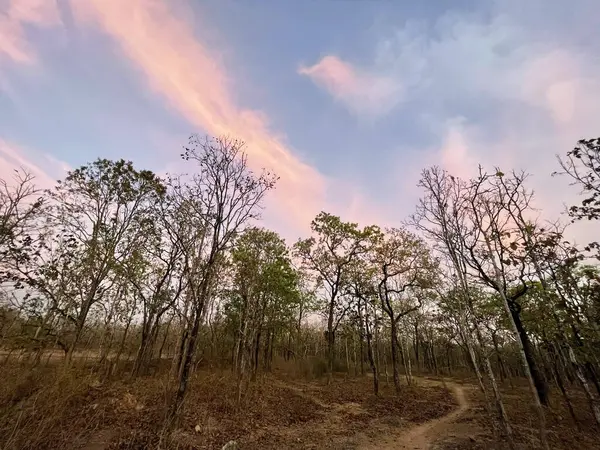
133,272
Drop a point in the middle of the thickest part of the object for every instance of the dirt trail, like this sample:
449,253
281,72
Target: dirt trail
423,436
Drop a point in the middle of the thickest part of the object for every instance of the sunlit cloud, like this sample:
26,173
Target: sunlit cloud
15,16
361,92
176,65
14,157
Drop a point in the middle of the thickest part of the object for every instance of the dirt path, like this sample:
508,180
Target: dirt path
423,436
346,425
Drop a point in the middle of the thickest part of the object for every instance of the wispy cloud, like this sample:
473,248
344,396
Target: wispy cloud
498,90
46,170
362,92
184,71
15,16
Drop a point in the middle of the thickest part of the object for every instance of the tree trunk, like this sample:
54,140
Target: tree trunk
362,354
144,354
559,381
503,374
256,356
433,357
528,374
406,359
330,341
594,404
385,364
501,411
373,364
347,355
538,379
186,363
416,345
162,345
394,344
79,329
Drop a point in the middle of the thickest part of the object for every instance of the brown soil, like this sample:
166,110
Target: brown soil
424,436
80,412
47,409
563,433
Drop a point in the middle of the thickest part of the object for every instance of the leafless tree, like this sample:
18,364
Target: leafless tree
210,209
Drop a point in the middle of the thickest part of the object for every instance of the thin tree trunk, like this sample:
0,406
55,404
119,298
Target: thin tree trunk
347,356
162,345
502,416
354,357
407,362
559,382
373,364
394,343
256,356
594,404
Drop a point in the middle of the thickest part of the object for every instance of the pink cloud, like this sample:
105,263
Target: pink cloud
455,155
14,44
361,91
13,157
189,76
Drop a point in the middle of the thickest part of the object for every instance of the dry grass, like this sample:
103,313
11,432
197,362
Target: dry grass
52,409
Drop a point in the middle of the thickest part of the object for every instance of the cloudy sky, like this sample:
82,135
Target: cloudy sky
346,100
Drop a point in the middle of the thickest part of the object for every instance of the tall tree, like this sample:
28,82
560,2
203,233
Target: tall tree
263,296
405,269
94,217
209,210
328,255
498,256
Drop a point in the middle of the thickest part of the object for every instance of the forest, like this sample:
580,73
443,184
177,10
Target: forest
145,311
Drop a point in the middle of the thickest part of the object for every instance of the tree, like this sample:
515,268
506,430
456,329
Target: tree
94,217
363,287
21,204
154,269
263,296
209,210
582,164
495,251
328,255
405,270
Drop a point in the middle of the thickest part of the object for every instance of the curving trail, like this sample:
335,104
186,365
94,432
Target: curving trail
423,436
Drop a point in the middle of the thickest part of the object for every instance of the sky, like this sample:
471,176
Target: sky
345,100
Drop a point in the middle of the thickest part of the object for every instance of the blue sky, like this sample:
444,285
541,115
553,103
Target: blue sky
347,100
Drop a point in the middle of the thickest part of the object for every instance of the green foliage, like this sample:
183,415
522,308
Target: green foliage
264,276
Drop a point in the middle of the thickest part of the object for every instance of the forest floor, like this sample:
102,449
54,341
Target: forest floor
49,409
472,429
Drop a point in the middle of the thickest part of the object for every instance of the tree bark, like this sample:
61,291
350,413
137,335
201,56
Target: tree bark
540,383
394,344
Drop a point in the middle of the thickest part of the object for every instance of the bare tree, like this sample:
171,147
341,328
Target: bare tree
20,205
497,260
442,214
212,206
582,165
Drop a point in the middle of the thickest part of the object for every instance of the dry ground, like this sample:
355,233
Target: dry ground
48,409
45,409
473,430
